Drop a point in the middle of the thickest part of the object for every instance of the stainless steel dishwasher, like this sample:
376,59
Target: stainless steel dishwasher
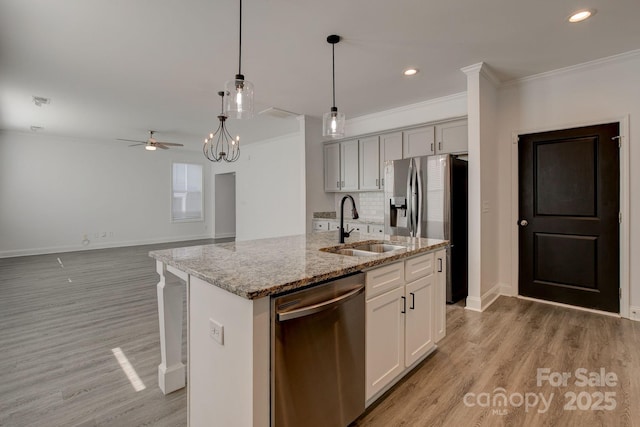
317,355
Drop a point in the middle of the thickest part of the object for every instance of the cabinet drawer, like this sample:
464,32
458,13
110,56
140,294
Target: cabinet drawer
384,279
419,266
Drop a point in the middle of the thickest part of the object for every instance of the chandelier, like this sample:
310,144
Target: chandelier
220,145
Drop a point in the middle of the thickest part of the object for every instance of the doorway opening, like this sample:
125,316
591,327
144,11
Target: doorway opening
225,205
569,216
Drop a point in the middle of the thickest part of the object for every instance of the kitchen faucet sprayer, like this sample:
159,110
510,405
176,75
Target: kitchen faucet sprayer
354,215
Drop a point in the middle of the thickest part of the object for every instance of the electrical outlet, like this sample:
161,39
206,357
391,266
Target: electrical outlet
635,313
216,331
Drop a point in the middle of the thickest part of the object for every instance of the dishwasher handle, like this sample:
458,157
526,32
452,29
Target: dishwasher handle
321,306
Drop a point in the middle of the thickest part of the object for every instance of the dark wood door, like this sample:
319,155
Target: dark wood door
569,205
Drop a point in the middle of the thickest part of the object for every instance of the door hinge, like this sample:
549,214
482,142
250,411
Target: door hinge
619,217
619,138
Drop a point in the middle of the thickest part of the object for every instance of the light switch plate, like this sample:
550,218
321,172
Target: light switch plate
216,331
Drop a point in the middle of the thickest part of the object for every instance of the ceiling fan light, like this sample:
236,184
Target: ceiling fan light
150,147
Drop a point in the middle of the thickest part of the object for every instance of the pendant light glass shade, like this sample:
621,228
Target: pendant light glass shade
239,102
333,121
240,91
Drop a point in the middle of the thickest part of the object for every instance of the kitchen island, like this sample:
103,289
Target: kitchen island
229,288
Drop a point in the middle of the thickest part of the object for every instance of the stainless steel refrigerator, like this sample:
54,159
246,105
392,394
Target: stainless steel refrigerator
427,197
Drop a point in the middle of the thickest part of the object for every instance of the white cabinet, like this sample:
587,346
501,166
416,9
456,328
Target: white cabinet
400,320
419,142
341,166
369,163
419,333
391,146
384,340
332,176
349,165
452,137
440,318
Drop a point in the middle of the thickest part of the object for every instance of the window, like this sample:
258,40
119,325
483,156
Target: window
186,192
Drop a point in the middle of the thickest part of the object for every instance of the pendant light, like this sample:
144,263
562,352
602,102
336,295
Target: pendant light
220,145
240,91
333,121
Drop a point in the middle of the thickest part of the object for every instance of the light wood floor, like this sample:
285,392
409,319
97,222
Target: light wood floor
59,324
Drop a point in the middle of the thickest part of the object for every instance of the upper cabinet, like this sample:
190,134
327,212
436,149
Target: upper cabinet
341,166
358,164
391,146
419,142
369,164
349,165
452,137
332,178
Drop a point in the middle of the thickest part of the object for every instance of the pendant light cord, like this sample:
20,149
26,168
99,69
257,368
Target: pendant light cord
333,62
240,42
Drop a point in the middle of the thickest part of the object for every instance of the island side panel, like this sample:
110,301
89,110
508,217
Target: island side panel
171,371
229,381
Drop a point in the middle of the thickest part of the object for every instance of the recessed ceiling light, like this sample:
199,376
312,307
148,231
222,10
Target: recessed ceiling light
410,72
582,15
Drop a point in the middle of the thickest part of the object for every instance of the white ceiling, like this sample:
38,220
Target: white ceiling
117,68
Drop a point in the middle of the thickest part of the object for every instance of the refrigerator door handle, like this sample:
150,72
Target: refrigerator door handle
447,176
409,193
419,203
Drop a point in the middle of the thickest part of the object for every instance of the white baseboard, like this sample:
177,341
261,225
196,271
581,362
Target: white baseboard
91,246
488,298
225,235
634,313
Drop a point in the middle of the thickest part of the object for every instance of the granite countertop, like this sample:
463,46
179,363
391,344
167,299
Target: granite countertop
258,268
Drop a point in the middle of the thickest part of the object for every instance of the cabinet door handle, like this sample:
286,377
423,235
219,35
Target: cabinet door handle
432,146
413,300
439,265
440,145
404,305
338,184
382,185
377,182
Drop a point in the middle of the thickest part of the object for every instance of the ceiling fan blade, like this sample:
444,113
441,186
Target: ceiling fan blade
130,140
172,144
160,145
135,145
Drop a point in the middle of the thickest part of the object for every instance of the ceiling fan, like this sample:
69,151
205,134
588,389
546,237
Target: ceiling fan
151,143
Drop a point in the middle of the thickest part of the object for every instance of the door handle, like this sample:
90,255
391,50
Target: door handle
404,305
523,223
322,306
413,300
440,265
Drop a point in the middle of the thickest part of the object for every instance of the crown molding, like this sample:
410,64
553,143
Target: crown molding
633,54
484,70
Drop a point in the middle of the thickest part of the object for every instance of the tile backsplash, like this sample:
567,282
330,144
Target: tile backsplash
370,205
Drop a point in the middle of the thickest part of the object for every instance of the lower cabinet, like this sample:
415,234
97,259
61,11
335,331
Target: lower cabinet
402,324
441,295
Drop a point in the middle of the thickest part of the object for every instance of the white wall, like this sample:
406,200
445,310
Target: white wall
317,199
270,187
225,205
597,92
431,110
55,190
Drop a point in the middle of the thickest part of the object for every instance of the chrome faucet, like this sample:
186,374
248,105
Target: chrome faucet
354,215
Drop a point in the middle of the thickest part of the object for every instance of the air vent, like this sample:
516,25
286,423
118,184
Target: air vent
41,100
277,113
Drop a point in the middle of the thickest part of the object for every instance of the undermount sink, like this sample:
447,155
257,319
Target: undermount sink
364,249
378,247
